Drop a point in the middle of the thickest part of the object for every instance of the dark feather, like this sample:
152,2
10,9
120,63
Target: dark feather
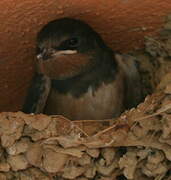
37,94
133,90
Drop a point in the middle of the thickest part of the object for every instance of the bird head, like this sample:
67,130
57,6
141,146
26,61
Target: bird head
67,47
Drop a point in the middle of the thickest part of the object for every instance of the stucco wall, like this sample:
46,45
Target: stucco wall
122,23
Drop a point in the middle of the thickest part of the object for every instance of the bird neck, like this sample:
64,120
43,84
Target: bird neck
103,71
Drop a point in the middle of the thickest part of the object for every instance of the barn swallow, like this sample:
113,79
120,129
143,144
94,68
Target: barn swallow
79,76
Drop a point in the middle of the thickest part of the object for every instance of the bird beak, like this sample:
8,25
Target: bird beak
44,55
39,56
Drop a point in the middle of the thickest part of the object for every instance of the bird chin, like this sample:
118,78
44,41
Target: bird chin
56,72
65,66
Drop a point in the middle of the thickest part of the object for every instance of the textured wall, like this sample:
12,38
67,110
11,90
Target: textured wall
122,23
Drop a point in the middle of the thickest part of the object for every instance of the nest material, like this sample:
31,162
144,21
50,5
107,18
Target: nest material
136,146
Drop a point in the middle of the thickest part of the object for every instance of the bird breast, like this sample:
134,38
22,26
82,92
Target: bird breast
104,103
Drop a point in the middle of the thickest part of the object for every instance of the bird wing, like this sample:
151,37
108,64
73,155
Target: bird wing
37,94
133,90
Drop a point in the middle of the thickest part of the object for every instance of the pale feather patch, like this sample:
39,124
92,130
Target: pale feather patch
65,52
59,53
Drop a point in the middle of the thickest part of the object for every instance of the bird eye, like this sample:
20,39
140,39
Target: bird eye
69,44
73,42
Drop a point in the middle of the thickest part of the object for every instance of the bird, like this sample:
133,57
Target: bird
79,76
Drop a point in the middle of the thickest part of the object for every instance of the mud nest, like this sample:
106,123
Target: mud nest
137,145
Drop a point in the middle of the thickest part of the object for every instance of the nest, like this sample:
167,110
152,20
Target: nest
136,145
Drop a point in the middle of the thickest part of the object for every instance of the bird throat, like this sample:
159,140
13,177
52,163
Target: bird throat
103,71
